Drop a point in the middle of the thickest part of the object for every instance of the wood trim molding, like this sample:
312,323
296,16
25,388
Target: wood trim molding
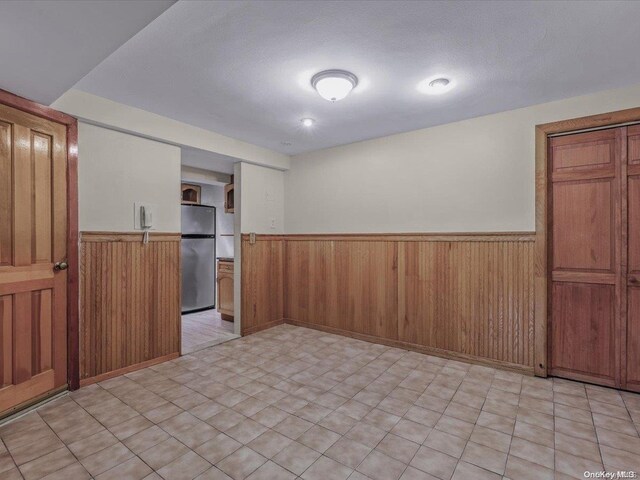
73,273
131,368
128,237
514,367
264,326
34,108
73,259
543,220
402,237
20,409
592,121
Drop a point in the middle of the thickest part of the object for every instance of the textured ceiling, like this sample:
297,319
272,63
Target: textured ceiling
47,46
243,68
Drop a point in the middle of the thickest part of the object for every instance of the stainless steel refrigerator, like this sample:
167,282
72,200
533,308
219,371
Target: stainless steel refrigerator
198,257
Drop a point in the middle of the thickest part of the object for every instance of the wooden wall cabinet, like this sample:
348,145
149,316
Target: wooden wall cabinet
229,197
225,289
191,194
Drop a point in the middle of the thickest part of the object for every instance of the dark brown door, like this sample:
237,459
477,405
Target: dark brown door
632,284
33,237
585,256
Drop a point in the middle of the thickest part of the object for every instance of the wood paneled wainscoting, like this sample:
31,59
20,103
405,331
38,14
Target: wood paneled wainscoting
129,302
464,296
262,283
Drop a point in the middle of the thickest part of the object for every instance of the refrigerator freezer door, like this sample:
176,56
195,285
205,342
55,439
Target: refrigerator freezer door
198,220
198,273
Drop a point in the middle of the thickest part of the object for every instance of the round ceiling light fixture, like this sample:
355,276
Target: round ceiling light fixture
307,122
334,85
435,86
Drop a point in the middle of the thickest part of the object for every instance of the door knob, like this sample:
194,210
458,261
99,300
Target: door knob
61,266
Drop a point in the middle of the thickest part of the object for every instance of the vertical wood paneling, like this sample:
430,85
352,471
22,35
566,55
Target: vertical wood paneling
345,285
130,301
470,297
262,285
466,296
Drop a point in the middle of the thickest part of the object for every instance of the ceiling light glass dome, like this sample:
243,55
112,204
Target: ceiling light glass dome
334,85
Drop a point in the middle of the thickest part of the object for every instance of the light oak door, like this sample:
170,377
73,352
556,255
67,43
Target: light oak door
33,238
632,345
225,289
586,256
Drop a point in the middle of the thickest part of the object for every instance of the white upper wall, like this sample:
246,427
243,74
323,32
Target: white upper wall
261,194
102,111
474,175
115,170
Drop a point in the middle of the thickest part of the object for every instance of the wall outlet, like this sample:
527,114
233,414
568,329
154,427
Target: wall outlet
273,223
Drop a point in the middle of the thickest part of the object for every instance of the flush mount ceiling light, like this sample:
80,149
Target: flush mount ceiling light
435,86
334,85
307,122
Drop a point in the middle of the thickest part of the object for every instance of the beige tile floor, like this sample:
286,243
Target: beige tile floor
291,402
204,329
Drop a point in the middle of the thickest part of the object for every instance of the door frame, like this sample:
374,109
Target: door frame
542,195
71,123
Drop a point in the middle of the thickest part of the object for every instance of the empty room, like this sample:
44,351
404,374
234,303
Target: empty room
319,240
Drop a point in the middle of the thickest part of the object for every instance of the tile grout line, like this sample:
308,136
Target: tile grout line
272,355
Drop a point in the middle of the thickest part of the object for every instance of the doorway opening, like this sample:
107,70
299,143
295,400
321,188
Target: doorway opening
207,251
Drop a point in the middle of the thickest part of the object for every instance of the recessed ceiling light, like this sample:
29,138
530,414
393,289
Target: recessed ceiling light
334,85
307,122
439,83
435,86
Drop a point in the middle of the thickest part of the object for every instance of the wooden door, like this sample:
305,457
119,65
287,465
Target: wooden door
585,256
33,237
631,362
225,289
